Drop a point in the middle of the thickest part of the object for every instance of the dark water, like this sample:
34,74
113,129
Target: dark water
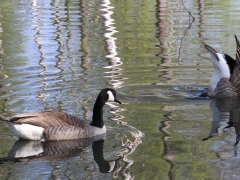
59,54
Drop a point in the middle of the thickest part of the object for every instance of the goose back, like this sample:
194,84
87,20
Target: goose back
47,119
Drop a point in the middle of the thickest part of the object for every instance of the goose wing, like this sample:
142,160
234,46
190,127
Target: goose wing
225,89
235,76
47,119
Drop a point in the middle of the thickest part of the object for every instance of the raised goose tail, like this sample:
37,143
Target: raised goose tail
235,76
238,50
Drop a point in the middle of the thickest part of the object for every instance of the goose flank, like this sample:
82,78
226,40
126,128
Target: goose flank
54,125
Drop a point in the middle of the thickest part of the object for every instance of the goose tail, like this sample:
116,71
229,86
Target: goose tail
236,40
238,50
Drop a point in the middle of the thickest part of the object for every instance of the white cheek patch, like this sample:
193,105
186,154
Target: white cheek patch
110,96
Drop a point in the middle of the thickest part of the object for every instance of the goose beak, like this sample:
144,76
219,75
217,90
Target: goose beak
211,50
118,101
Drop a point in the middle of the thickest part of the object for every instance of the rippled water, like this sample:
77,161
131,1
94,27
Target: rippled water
59,54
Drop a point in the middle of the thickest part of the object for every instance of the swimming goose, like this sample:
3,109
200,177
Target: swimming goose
225,81
53,125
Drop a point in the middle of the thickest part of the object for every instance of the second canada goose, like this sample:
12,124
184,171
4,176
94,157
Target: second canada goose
225,81
53,125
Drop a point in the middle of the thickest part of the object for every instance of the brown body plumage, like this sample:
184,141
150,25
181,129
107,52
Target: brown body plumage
56,125
225,88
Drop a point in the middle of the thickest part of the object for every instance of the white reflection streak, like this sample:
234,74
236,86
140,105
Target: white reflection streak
36,23
128,147
111,45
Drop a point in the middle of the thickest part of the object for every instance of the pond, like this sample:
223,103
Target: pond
58,55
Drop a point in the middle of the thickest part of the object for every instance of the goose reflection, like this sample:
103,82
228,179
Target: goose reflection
24,151
226,114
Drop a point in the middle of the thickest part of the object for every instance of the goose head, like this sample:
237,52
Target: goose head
223,67
105,95
109,95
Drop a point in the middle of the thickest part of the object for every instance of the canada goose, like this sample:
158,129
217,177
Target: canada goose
225,81
53,125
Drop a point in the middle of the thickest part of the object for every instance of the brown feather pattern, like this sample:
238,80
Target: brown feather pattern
57,125
67,132
224,89
46,119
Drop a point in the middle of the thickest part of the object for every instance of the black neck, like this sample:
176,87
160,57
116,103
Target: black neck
97,119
